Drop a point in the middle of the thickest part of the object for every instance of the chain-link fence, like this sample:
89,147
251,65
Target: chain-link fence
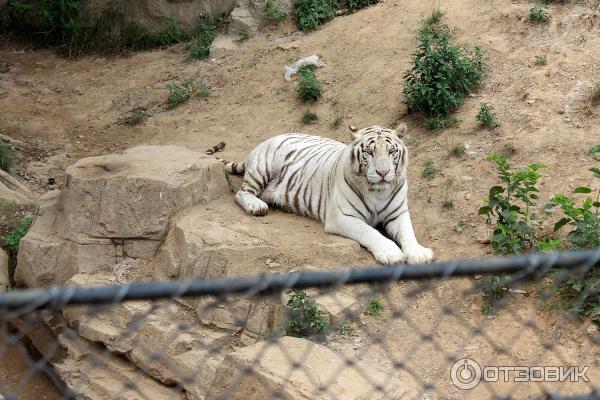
516,327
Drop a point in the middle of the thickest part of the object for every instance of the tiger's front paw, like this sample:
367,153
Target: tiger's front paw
389,255
418,254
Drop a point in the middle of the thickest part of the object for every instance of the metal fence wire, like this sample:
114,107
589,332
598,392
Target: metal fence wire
514,327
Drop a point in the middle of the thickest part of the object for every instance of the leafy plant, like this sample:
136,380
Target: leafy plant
583,220
538,13
7,156
429,171
442,73
274,11
199,46
447,204
12,240
136,116
309,87
440,122
486,116
458,150
180,94
62,25
310,14
541,60
374,307
493,288
358,4
309,116
595,93
306,317
204,90
244,34
509,205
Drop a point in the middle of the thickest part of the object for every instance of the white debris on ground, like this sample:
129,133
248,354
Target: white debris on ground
293,69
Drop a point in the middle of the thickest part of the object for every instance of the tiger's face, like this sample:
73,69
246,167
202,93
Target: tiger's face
379,156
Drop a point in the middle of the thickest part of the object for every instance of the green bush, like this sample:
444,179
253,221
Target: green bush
12,240
358,4
486,116
429,171
7,156
62,26
442,73
309,87
306,317
309,116
538,13
374,307
199,46
310,14
493,288
274,11
180,94
510,206
136,116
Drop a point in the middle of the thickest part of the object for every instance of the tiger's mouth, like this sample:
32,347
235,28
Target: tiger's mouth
379,186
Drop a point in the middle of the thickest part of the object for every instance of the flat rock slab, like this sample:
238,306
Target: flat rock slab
274,372
219,239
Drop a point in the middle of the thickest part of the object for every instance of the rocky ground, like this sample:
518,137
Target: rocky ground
64,110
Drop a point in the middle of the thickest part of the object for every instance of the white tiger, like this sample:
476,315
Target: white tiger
350,188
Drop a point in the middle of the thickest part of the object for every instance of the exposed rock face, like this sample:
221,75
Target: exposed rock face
153,13
4,279
14,191
165,212
274,372
114,208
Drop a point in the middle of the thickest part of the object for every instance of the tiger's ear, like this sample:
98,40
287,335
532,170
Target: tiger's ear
401,130
354,132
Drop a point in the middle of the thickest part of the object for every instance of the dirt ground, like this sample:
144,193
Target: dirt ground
71,109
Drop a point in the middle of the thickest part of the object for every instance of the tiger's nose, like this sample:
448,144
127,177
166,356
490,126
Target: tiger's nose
383,172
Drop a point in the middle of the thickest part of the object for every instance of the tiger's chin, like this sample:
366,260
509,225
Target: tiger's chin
379,186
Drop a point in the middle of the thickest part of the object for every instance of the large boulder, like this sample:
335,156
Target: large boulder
114,208
14,191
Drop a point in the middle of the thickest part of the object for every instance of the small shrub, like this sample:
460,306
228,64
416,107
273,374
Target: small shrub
306,317
509,205
274,11
337,122
7,156
204,90
487,117
374,307
346,329
583,220
458,150
136,116
180,94
310,14
493,289
595,92
309,87
541,60
447,204
12,240
358,4
429,171
440,122
442,73
199,46
244,34
538,13
309,116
